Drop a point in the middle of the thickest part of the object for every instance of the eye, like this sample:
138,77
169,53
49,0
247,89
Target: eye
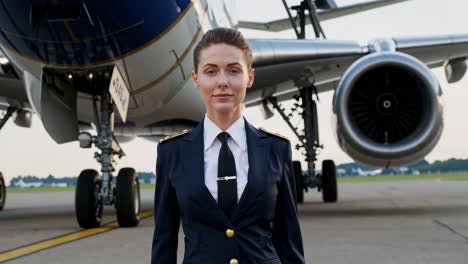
234,70
211,72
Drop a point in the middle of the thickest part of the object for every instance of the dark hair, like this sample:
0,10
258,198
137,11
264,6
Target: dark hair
223,35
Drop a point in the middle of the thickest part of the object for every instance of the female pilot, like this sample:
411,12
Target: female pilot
228,182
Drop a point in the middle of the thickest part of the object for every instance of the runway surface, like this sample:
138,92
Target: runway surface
390,222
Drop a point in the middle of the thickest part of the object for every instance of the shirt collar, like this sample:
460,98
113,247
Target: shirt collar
236,131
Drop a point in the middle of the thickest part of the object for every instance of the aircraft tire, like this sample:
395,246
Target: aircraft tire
329,185
2,192
299,179
127,201
88,208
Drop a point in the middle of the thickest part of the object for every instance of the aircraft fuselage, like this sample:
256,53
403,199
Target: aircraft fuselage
151,43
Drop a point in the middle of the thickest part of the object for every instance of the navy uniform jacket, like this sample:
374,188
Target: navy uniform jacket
263,228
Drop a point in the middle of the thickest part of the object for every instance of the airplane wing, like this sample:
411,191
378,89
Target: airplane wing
283,65
327,14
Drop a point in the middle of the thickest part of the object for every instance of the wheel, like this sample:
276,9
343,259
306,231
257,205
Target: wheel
88,208
127,198
329,186
299,178
2,192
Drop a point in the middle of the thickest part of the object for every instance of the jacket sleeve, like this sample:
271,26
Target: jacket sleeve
287,237
166,215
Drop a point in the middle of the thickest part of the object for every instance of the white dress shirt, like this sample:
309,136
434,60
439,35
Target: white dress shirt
237,142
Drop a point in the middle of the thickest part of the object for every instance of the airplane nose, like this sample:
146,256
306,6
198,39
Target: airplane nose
78,32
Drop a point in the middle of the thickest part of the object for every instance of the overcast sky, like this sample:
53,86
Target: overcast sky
33,152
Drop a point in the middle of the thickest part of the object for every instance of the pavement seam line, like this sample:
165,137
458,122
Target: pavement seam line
63,239
451,229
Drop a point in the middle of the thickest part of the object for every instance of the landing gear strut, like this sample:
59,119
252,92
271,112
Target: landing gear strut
93,191
309,142
309,139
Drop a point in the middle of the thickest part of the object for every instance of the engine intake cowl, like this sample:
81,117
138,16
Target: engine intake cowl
388,110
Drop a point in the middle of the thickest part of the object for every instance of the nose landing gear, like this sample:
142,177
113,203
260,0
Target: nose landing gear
93,191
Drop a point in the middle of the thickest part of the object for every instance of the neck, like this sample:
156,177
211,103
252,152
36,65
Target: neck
224,120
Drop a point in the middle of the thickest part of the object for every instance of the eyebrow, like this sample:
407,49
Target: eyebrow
210,64
214,65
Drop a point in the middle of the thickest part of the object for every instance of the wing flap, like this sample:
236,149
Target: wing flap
355,8
436,50
328,14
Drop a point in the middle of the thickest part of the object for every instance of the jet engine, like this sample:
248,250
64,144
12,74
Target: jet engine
388,110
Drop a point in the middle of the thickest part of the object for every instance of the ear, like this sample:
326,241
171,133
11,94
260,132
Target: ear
251,78
195,79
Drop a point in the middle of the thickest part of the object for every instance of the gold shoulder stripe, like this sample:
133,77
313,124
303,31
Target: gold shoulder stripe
185,131
273,134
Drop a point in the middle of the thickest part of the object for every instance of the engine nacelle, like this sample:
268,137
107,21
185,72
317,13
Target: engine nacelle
388,110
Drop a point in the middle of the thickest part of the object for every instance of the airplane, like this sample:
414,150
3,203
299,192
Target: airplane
75,63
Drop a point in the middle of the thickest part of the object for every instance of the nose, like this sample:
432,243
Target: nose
223,80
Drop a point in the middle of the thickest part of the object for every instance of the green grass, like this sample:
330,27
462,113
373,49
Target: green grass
40,189
147,186
442,176
381,178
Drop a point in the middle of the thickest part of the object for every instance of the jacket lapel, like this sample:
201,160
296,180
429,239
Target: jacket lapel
257,149
192,154
192,157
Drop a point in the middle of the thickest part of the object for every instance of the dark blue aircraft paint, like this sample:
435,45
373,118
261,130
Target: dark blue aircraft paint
75,32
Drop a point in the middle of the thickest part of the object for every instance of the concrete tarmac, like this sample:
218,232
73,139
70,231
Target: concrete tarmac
387,222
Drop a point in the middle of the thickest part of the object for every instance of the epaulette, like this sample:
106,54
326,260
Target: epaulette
185,131
273,134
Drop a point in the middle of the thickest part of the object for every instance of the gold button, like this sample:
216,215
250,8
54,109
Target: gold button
230,233
233,261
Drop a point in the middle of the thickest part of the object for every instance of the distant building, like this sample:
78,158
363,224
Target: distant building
360,172
341,172
21,184
403,170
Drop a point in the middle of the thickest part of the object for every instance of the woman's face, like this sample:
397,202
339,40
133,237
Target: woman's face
222,78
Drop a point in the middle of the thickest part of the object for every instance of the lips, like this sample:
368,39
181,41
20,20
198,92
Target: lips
222,95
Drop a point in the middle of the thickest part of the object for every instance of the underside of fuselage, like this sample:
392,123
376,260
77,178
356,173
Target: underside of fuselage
67,50
82,34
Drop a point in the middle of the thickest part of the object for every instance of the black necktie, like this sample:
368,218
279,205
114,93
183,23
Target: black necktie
227,180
